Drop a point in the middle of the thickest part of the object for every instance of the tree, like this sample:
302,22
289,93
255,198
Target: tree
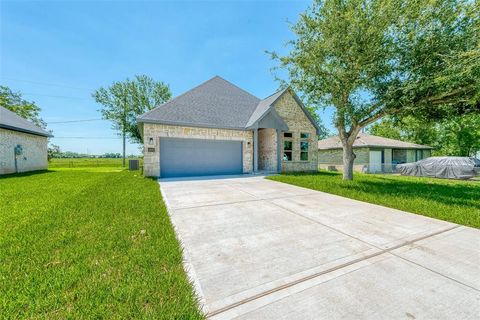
408,128
124,101
367,59
14,102
324,132
451,136
53,151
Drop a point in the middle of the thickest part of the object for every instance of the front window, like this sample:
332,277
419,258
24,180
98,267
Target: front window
304,146
304,135
287,150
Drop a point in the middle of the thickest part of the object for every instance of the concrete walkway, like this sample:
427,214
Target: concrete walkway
259,249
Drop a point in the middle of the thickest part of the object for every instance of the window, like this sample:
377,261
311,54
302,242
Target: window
287,134
419,155
304,146
287,150
303,150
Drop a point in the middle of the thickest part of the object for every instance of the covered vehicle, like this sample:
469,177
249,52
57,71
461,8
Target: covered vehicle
442,167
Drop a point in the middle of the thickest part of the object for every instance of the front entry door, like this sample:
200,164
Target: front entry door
375,161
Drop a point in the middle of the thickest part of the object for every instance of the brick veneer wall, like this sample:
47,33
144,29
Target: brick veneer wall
288,108
34,156
151,161
267,149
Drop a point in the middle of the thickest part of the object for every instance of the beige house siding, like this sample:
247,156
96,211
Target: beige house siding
34,156
297,122
267,149
333,159
151,160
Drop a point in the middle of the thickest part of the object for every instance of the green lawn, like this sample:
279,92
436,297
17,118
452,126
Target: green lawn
450,200
86,162
91,243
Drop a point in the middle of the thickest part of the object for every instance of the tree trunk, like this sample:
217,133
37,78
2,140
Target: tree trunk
348,158
123,160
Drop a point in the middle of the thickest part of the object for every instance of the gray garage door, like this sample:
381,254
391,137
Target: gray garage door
198,157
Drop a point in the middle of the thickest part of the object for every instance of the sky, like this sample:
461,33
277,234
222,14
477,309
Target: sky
57,53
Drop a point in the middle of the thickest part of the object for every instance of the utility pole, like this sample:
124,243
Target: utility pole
123,128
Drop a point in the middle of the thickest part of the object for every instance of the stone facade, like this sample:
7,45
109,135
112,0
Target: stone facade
34,151
267,149
286,106
297,122
151,161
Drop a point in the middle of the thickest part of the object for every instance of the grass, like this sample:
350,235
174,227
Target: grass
449,200
91,243
86,162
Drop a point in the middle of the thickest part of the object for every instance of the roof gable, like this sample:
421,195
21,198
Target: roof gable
264,106
12,121
218,103
214,103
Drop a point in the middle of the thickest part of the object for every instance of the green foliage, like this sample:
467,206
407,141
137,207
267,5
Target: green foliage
459,136
324,132
14,102
449,200
53,151
124,101
371,58
452,136
95,243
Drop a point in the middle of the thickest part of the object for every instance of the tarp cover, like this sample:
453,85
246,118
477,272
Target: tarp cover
441,167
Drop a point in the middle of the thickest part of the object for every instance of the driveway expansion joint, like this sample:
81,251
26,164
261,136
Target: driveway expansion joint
315,275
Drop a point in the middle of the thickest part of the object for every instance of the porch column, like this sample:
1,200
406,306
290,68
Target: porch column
279,150
255,150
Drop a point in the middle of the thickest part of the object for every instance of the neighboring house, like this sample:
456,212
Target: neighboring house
373,154
217,128
23,145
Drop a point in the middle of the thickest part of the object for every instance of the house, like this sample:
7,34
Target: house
373,153
23,145
218,128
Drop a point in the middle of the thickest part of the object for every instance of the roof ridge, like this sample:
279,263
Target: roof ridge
233,84
195,88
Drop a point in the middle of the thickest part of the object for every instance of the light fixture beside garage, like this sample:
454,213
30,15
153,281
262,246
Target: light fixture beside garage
150,141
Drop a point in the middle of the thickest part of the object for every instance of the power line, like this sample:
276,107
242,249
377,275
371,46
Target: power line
45,83
86,138
53,96
72,121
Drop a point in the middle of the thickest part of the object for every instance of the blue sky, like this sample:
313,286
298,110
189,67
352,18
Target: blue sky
58,52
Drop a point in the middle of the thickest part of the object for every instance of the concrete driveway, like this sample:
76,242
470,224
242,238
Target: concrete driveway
259,249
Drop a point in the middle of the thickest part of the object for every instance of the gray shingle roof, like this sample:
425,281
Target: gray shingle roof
12,121
367,140
215,103
263,107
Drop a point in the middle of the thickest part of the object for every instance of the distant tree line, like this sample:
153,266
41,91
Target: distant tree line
55,152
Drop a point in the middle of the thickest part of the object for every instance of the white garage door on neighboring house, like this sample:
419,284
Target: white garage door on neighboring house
198,157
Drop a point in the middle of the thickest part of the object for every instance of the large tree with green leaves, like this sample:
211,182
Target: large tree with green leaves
14,102
123,101
451,136
370,58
